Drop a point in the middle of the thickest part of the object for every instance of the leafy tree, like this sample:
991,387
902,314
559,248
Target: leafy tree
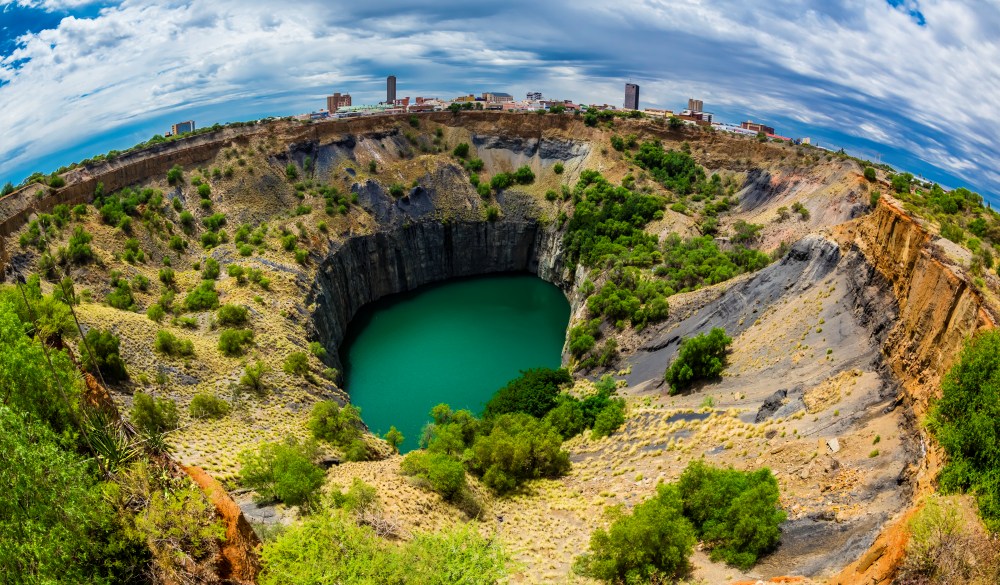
533,392
79,250
524,176
519,447
441,473
744,232
501,181
652,544
735,512
169,344
233,342
700,357
154,416
203,297
297,363
282,471
208,406
105,357
462,150
394,438
964,422
232,315
567,417
253,376
330,422
609,418
870,174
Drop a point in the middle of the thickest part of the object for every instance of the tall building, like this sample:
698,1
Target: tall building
337,100
390,89
631,96
182,127
696,105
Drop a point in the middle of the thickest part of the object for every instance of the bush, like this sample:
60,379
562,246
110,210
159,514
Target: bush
609,418
964,422
870,174
208,406
567,417
394,438
438,471
462,150
105,357
519,447
534,392
233,342
79,250
297,363
253,376
397,190
169,344
232,315
301,255
156,312
524,175
316,348
650,545
558,168
735,512
204,190
291,172
175,174
339,426
501,181
214,222
492,213
153,416
282,471
202,298
700,357
475,165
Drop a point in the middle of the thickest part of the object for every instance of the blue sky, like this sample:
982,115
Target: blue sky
915,83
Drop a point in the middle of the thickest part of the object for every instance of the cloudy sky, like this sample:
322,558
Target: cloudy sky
916,83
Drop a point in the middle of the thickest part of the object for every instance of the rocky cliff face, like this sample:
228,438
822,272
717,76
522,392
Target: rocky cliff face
366,268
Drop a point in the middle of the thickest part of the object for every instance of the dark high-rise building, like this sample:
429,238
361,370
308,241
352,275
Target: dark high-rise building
390,89
631,96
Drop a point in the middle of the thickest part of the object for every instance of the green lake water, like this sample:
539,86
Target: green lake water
455,342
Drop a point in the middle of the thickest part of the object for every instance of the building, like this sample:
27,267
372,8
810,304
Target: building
755,127
534,96
337,100
182,127
658,112
497,97
696,105
390,89
631,96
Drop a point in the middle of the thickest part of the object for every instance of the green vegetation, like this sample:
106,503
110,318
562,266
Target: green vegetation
394,438
700,357
232,315
534,392
153,416
870,174
964,423
437,471
99,352
558,168
650,545
282,472
340,426
734,513
462,150
211,270
297,363
519,447
233,342
253,377
169,344
696,262
203,297
331,547
175,175
208,406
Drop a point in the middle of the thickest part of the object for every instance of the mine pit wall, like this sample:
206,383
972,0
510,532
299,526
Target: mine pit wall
921,335
366,268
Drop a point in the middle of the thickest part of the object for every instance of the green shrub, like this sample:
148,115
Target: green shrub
475,165
282,471
79,250
204,190
462,150
316,348
439,472
582,337
208,406
253,377
650,545
492,213
297,363
501,181
394,438
232,316
167,276
291,172
870,174
519,447
105,357
156,312
233,342
210,240
534,392
567,417
214,222
153,416
964,422
524,175
356,450
175,174
609,418
558,168
120,296
397,190
874,198
736,513
169,344
187,221
339,426
700,357
202,298
211,270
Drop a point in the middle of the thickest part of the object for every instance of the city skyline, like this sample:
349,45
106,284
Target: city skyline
77,80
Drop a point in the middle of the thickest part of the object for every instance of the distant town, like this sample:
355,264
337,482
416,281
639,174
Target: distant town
340,105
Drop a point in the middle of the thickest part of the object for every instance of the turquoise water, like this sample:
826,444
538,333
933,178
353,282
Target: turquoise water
455,342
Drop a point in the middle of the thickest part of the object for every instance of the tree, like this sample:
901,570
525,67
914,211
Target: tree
870,174
253,376
233,342
533,392
282,471
297,363
175,175
99,352
208,406
652,544
232,315
154,416
462,150
169,344
700,357
609,418
203,297
394,438
441,473
330,422
519,447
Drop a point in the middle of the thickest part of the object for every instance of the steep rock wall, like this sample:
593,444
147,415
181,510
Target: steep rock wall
366,268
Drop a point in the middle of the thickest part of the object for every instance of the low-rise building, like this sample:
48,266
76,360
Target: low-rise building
182,127
755,127
497,97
